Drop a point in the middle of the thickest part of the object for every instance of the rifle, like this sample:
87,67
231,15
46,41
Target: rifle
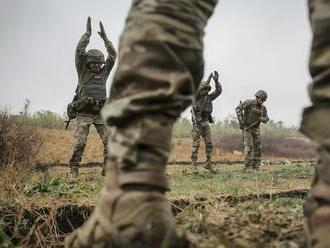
67,123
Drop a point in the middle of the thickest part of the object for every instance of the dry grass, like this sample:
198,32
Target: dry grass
19,144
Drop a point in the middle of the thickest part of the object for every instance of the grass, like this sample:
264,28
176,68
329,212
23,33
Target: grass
231,180
42,201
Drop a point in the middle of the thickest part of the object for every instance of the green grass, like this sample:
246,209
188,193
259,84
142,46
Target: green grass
186,183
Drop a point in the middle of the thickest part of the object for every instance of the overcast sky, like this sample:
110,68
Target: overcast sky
255,44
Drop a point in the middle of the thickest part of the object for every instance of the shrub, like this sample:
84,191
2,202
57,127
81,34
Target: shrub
19,144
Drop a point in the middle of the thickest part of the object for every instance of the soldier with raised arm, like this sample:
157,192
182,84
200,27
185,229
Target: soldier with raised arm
250,114
202,117
93,71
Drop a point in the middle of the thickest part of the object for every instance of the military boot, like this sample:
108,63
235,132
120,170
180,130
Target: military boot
255,164
208,165
248,164
132,216
317,205
74,173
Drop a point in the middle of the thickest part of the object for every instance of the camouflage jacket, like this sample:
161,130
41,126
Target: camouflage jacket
250,114
203,107
85,75
181,24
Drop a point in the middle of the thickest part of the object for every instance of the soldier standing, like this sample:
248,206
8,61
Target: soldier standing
202,117
93,71
250,114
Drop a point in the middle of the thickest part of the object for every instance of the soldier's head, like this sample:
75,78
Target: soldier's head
95,60
204,88
261,96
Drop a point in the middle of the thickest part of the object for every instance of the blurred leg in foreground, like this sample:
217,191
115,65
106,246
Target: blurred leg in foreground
160,66
316,125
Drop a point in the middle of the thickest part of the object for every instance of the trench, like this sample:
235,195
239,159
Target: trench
48,226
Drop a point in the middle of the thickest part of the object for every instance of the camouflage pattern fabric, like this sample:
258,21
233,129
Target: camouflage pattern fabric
81,134
84,74
160,68
201,130
201,117
315,124
250,115
252,148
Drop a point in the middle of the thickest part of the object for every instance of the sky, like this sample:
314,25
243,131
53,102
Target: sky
255,44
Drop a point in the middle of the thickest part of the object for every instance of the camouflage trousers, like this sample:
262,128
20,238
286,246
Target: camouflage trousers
315,124
81,134
201,130
252,148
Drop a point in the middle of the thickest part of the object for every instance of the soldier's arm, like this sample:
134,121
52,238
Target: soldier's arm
218,89
80,56
112,54
243,106
264,118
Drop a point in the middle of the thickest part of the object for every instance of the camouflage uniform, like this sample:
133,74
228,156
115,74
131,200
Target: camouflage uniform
90,96
201,119
160,66
316,124
250,114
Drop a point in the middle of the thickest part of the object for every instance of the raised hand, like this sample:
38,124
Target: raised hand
102,31
89,26
216,76
209,78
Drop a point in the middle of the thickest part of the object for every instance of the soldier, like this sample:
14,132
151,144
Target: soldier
160,61
93,71
202,117
250,114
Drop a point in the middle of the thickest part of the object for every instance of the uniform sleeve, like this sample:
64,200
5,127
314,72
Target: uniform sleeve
217,92
241,108
264,118
81,52
111,59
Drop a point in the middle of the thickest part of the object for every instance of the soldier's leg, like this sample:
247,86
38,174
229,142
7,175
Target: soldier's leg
248,149
256,154
80,139
154,83
206,133
104,134
196,136
315,124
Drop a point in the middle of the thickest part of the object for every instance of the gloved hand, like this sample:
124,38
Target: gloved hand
209,78
263,119
102,31
215,76
89,26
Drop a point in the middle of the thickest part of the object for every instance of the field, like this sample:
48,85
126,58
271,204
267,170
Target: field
232,208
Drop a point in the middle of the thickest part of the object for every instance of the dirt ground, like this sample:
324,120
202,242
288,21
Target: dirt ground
232,208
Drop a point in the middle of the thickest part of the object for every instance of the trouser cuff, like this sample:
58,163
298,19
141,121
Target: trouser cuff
151,178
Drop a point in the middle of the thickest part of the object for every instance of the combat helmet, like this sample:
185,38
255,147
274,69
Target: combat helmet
261,94
204,85
95,56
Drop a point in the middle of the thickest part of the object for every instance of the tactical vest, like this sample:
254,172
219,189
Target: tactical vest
253,116
205,106
95,91
95,88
